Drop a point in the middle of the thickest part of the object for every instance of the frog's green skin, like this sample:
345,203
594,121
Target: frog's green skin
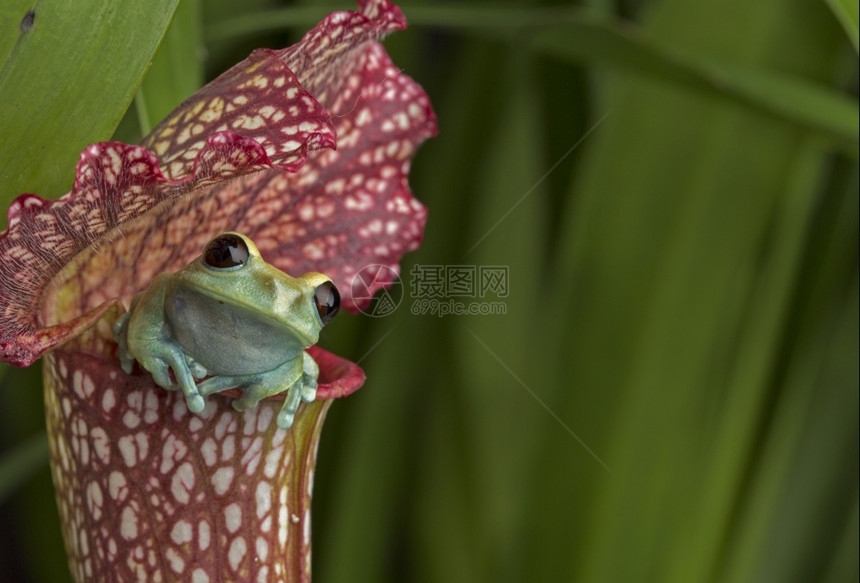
243,325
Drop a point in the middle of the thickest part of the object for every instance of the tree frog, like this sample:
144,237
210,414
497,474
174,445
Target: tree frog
230,316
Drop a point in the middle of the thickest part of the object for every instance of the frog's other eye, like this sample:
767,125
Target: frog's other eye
227,251
327,300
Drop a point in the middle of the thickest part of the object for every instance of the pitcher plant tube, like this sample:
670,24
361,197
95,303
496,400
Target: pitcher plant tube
306,151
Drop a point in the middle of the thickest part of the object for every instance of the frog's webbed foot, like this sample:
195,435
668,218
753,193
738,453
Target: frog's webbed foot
310,374
160,362
298,376
303,389
291,404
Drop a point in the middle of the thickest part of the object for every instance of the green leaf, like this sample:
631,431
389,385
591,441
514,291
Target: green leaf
846,12
68,72
494,369
252,23
813,107
19,463
177,70
686,250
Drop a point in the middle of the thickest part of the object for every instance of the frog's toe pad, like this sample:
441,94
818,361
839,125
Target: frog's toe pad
285,419
197,371
126,364
309,392
196,404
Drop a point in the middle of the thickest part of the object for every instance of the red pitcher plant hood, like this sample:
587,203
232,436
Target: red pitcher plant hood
305,150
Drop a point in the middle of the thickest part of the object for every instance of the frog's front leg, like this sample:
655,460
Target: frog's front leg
143,335
297,378
304,389
287,379
163,357
310,374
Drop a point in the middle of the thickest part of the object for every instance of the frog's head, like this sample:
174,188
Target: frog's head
243,288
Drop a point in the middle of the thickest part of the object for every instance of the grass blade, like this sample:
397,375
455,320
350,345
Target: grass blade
177,69
846,13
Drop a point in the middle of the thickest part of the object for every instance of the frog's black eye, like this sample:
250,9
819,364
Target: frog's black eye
227,251
327,300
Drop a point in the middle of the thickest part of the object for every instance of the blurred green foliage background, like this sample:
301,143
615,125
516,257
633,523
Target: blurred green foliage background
672,393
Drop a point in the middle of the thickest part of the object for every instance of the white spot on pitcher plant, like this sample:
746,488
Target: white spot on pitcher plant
203,534
182,483
182,532
233,517
128,523
237,551
222,479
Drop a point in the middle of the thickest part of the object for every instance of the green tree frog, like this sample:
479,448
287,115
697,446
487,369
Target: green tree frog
231,317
